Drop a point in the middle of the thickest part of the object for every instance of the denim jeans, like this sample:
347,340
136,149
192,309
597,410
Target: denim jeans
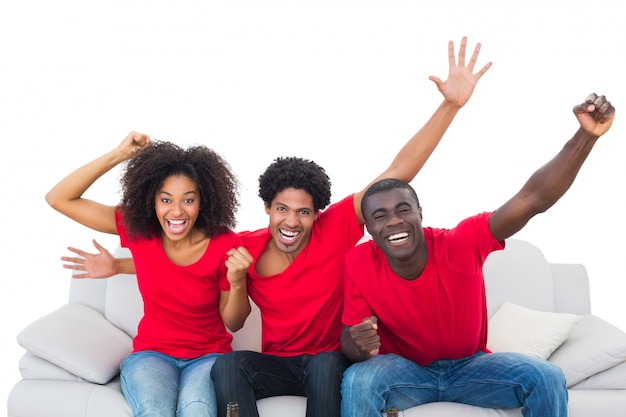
155,384
496,380
245,376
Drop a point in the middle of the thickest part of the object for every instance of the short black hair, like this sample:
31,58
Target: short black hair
298,173
387,184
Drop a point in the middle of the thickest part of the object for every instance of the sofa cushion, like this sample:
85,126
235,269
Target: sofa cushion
78,339
612,378
514,328
593,346
34,367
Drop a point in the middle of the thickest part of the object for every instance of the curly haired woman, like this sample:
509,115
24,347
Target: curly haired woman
176,216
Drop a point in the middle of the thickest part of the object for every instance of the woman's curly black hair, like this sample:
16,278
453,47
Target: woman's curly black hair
146,171
298,173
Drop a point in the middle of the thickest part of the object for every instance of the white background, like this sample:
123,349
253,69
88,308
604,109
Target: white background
344,83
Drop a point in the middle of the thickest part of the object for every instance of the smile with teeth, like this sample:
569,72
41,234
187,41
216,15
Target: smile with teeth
398,237
289,235
177,225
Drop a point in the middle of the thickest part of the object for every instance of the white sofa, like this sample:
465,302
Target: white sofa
72,355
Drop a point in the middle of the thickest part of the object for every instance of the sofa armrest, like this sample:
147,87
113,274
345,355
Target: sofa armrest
80,340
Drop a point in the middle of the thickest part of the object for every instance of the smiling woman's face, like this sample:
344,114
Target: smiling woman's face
177,205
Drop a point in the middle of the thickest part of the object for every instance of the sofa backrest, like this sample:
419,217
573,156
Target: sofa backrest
519,274
117,298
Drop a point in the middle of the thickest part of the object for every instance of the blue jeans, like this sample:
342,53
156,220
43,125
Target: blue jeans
155,384
245,376
497,380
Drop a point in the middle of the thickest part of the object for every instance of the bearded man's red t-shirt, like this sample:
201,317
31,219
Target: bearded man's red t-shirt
301,307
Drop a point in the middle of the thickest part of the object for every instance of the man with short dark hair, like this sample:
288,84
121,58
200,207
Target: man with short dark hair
415,316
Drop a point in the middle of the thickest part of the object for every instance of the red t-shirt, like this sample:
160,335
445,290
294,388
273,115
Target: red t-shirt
181,303
301,307
440,315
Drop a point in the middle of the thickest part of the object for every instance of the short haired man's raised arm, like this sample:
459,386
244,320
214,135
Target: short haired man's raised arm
552,180
456,90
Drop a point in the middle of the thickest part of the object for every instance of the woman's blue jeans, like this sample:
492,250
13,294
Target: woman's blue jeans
245,376
496,380
155,384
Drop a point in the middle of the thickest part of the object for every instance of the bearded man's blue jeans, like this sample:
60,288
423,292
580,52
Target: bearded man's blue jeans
155,384
495,380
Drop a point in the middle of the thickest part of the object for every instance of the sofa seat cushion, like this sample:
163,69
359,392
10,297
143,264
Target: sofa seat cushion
79,340
447,409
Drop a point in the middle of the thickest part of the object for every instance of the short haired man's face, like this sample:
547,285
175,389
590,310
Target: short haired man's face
291,219
394,220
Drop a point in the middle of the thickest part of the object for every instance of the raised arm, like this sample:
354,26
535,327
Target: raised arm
456,91
67,195
546,186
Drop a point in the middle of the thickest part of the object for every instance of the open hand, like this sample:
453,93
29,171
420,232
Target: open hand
100,265
459,86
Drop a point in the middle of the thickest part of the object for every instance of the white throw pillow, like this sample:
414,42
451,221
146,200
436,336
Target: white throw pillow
593,346
80,340
514,328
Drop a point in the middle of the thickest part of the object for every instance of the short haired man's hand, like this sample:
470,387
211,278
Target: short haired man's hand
595,114
365,336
